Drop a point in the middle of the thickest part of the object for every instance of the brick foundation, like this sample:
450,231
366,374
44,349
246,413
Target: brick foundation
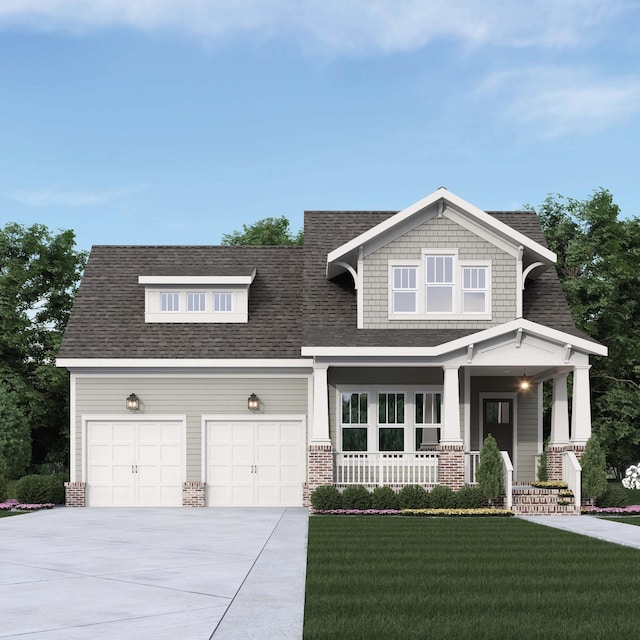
554,462
74,494
578,449
193,494
320,469
451,466
542,502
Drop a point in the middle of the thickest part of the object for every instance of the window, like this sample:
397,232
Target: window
391,412
169,301
474,289
405,289
439,283
222,302
355,412
428,412
196,302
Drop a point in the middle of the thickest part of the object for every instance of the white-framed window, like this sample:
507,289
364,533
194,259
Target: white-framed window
405,289
222,302
196,301
474,289
441,286
388,418
439,282
355,420
169,301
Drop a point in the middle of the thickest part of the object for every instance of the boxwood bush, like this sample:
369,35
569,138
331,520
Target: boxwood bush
384,498
614,496
441,497
356,497
325,498
3,480
469,498
36,489
413,496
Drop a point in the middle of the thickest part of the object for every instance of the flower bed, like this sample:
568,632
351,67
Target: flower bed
549,484
632,510
415,512
14,505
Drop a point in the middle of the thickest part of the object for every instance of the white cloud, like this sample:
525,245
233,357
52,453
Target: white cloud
69,198
336,26
566,100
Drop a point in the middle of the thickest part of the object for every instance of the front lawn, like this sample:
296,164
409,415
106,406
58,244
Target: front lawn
391,577
627,520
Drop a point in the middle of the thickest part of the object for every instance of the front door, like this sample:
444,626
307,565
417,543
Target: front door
497,420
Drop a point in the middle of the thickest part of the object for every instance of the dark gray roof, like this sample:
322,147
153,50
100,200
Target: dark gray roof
107,320
291,303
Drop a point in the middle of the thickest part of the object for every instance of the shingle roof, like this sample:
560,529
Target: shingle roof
107,320
291,302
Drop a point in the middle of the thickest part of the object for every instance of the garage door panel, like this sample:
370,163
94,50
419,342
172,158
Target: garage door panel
134,463
245,462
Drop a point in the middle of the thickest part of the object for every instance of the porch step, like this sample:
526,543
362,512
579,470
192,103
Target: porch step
530,501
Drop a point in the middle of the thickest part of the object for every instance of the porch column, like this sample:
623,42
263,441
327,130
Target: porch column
451,451
559,439
320,457
581,408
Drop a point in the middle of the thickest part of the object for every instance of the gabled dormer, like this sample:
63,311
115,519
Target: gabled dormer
198,297
440,263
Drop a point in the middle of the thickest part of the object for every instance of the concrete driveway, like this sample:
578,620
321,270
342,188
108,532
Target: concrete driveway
161,574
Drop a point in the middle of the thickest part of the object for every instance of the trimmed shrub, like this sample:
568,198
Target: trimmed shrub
441,497
384,498
356,497
413,496
490,474
613,496
3,480
594,470
325,498
35,489
469,498
543,474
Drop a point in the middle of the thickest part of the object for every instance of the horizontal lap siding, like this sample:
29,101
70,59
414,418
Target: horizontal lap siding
192,397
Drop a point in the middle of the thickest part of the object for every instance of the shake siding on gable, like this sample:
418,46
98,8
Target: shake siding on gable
190,396
438,233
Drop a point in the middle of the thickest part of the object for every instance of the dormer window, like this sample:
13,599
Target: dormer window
199,298
439,287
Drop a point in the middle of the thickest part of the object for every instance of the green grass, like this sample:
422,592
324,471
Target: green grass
6,514
384,577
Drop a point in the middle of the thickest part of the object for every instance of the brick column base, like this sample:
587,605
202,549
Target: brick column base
554,462
451,466
578,449
320,470
193,494
74,494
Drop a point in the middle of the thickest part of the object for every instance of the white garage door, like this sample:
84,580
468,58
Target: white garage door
255,462
134,464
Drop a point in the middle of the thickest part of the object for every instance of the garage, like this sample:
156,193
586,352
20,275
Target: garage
255,462
134,463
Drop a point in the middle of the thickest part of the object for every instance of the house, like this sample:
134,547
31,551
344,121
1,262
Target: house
381,352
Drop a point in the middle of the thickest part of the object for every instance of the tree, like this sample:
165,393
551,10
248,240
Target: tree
598,264
39,273
268,231
490,474
594,473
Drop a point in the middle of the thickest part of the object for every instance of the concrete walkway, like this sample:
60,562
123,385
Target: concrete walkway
617,532
161,574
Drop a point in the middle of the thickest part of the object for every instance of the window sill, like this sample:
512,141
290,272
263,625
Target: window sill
438,316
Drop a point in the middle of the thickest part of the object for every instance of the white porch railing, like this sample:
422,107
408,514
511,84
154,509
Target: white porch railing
386,468
471,462
572,475
508,478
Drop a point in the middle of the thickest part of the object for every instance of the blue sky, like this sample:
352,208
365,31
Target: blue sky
175,121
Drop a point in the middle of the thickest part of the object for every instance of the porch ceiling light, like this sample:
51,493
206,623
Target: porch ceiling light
253,402
525,383
133,402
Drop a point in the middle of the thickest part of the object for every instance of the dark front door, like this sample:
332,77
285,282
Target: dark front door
497,420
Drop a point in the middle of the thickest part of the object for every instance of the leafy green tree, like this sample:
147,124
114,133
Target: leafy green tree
598,264
268,231
39,273
490,474
594,472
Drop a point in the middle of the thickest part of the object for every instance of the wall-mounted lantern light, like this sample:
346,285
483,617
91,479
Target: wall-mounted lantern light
253,402
133,402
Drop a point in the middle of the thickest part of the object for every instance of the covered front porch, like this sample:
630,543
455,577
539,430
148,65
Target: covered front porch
412,420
